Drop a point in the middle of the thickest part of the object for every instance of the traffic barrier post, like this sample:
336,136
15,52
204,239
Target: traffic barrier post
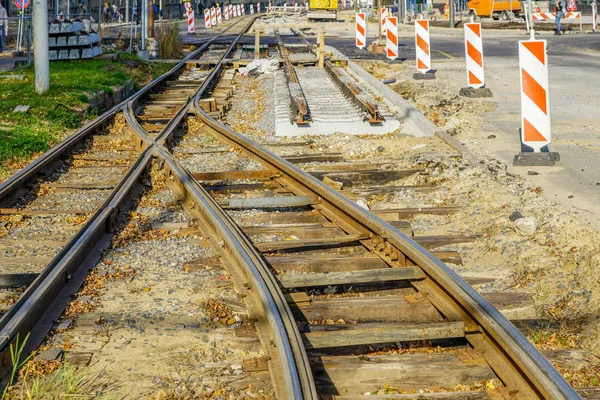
391,39
226,12
594,17
190,18
251,9
361,30
219,15
384,15
213,16
474,58
207,23
535,105
552,16
422,50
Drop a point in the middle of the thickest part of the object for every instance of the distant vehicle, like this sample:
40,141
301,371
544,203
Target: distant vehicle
322,10
503,9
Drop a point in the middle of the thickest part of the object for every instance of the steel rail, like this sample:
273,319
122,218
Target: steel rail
505,340
24,316
244,254
298,99
349,88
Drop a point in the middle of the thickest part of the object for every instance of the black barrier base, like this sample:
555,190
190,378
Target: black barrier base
475,93
427,76
536,159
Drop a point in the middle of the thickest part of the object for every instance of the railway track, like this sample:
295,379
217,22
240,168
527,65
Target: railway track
343,303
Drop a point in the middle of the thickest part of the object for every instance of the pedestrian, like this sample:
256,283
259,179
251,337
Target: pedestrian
3,26
395,10
559,14
105,12
114,13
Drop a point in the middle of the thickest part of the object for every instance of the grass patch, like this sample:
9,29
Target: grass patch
55,114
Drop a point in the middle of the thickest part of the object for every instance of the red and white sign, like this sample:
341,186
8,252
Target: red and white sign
207,18
422,45
391,41
384,14
190,18
535,98
361,30
22,4
572,5
474,55
213,16
552,16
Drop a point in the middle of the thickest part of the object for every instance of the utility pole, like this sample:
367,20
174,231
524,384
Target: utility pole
451,13
40,36
99,15
150,18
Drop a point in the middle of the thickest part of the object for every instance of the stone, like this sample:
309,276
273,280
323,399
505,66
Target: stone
427,76
526,226
475,93
532,173
22,109
492,137
515,216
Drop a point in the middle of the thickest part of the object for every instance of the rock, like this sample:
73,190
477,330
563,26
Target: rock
381,149
363,203
532,173
492,137
526,226
515,216
571,196
22,109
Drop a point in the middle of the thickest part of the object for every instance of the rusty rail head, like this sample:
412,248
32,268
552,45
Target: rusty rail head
299,103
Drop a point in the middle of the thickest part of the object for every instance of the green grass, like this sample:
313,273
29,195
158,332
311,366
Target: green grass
63,108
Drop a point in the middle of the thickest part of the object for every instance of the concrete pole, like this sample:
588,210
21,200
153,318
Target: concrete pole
256,44
145,19
451,23
126,11
40,36
99,15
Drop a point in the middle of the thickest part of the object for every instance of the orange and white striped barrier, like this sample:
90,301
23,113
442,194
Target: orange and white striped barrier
235,10
344,3
213,16
243,8
576,15
219,15
474,55
258,8
594,17
391,39
190,18
207,18
384,14
422,45
535,99
226,12
251,9
361,30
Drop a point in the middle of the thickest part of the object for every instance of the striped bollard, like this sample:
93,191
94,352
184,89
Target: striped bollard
258,8
235,11
219,15
474,58
190,18
391,39
535,106
231,11
207,18
251,9
213,16
384,14
423,51
226,12
594,17
361,31
243,9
